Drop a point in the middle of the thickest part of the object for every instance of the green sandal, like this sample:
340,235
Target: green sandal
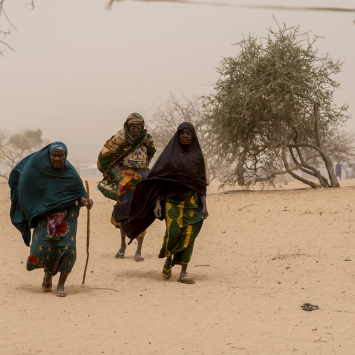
166,273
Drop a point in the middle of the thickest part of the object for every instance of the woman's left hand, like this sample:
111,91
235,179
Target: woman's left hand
204,212
204,207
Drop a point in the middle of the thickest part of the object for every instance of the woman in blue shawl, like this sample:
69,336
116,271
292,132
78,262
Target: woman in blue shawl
46,195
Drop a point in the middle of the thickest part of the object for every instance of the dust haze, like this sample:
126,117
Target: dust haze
78,70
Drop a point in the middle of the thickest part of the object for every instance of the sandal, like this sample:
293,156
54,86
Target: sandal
46,285
61,293
166,272
119,255
186,280
138,258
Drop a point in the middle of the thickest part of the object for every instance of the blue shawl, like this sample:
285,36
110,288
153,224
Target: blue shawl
37,189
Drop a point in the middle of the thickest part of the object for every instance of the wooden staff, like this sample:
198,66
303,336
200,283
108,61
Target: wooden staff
87,231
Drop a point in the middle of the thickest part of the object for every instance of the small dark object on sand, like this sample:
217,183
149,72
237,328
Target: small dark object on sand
309,307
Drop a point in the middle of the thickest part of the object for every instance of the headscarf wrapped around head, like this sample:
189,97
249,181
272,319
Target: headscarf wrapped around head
58,146
135,118
188,127
121,144
188,159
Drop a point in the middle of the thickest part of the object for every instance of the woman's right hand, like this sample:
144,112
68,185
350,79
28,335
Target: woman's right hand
157,210
83,201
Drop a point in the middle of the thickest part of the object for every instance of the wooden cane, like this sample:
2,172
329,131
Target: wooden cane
87,231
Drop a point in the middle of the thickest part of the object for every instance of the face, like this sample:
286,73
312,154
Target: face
135,130
57,158
185,137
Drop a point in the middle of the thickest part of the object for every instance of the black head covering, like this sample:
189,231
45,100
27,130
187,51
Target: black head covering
186,160
179,169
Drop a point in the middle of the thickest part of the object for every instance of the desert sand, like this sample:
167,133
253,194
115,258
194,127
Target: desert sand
259,257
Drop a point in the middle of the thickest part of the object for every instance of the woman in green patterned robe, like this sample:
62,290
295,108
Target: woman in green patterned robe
183,214
46,195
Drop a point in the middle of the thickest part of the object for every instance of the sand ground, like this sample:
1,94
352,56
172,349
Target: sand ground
259,257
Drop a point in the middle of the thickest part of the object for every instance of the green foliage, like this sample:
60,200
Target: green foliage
266,88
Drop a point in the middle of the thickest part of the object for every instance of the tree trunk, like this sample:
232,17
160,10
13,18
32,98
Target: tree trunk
304,166
240,168
328,164
289,170
325,158
319,147
208,180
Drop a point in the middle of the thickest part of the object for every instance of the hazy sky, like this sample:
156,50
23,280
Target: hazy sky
79,70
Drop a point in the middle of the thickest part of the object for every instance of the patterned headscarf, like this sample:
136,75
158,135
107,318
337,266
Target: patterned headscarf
59,146
135,118
121,144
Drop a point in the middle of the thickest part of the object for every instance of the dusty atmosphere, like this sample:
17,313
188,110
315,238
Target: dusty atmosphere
264,254
88,68
73,71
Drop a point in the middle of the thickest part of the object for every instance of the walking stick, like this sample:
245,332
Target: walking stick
87,231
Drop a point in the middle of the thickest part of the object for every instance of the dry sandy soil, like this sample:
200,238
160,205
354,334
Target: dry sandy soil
259,257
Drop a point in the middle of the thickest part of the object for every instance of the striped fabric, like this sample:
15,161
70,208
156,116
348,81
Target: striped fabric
183,220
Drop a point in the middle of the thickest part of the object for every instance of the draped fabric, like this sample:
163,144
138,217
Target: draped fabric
38,189
121,144
56,253
183,218
178,170
127,181
117,148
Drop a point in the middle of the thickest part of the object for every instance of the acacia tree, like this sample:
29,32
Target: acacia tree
16,146
273,101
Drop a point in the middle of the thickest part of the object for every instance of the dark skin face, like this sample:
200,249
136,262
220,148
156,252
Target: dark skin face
57,158
135,130
185,137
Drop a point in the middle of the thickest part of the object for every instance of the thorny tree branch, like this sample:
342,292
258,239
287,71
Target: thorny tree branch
263,7
16,146
5,33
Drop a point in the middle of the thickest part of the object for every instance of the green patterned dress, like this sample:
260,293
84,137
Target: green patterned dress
183,218
56,254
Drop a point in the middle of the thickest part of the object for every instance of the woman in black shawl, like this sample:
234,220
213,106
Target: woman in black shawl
174,190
